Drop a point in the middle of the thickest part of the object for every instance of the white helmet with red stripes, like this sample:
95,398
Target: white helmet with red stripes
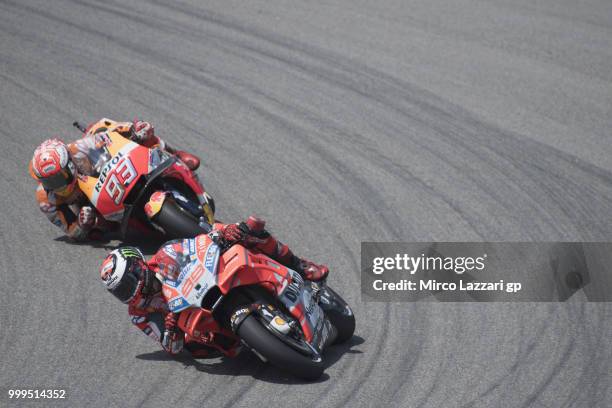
51,165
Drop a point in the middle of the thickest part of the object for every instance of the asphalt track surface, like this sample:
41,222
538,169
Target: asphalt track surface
339,122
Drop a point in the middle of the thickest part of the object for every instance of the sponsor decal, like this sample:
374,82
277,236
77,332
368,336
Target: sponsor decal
127,252
112,281
106,169
171,271
103,138
158,196
324,335
280,325
107,266
169,249
292,291
201,290
138,319
48,169
153,206
200,247
186,270
46,207
211,257
179,196
178,303
237,314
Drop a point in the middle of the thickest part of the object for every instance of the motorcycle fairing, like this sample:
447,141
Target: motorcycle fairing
195,279
199,325
117,176
125,162
181,172
240,267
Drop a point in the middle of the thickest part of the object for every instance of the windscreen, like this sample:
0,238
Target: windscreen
92,154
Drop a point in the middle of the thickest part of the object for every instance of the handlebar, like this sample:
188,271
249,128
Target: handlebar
79,126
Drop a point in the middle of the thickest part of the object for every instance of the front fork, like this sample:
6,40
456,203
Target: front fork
305,328
284,327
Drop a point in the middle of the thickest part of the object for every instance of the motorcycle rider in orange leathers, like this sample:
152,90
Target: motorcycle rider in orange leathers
56,165
130,278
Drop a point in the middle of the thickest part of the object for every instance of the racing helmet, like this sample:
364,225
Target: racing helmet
126,275
52,167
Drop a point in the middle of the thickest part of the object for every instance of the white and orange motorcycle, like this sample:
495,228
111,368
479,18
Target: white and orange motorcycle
140,187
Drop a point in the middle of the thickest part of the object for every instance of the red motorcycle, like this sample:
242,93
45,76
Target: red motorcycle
233,296
132,185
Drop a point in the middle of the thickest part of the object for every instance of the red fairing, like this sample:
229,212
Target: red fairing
121,180
200,326
240,267
181,172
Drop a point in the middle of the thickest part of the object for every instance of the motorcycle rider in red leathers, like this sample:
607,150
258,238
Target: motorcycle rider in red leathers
56,165
131,279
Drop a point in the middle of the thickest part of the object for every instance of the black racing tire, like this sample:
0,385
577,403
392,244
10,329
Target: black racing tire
278,353
343,322
177,222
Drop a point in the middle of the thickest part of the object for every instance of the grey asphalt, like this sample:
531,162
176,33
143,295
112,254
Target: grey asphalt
339,122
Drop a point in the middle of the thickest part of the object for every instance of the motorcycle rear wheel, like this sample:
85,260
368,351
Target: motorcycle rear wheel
177,222
278,353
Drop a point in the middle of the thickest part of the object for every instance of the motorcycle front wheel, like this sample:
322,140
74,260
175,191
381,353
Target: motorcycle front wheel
339,314
278,353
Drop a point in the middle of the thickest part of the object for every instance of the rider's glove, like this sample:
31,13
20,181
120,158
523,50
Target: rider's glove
312,271
255,232
170,321
142,131
87,217
232,233
173,340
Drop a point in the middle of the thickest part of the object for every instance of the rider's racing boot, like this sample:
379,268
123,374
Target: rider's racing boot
310,270
191,160
275,249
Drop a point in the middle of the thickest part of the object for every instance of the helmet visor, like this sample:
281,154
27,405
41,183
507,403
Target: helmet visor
128,287
58,181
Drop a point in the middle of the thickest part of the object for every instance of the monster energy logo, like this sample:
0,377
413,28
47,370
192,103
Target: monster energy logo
130,252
